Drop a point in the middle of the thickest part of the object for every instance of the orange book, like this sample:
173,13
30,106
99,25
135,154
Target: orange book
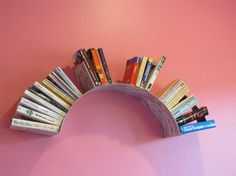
98,65
131,70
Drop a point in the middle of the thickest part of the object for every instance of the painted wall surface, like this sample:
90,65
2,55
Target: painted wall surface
108,133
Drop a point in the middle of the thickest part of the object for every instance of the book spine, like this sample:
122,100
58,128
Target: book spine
174,90
131,70
31,105
197,126
37,92
68,81
84,79
53,88
44,103
51,95
191,116
89,66
141,71
184,107
147,70
104,64
153,74
64,86
176,98
37,116
98,66
90,59
25,125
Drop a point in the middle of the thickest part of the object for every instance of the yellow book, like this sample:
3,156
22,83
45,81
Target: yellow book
141,71
170,104
64,97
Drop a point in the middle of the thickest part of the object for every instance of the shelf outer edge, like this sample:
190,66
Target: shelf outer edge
167,121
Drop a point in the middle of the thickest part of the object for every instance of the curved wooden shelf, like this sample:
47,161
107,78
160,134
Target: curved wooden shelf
167,121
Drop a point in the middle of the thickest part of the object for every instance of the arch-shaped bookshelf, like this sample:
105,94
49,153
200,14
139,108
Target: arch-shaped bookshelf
162,114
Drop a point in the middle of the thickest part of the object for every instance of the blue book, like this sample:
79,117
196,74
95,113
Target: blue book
148,68
197,126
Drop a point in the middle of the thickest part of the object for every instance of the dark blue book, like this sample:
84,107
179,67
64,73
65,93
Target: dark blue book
149,66
197,126
104,64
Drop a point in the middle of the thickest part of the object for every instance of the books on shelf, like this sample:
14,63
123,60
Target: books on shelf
44,106
91,68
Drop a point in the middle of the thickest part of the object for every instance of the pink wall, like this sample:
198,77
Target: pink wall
120,137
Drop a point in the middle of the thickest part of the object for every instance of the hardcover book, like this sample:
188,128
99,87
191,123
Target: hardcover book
131,70
149,66
141,71
104,64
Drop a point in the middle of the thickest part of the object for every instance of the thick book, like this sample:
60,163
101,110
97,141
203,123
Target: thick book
36,116
51,95
175,99
148,68
131,70
141,71
63,86
184,106
176,86
97,63
61,73
83,57
35,127
189,128
58,92
37,92
154,73
42,102
104,64
34,106
83,77
198,115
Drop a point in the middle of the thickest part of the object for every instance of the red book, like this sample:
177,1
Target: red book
131,70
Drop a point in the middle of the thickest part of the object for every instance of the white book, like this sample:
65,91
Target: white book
63,85
42,102
34,106
155,71
36,116
51,95
68,81
35,127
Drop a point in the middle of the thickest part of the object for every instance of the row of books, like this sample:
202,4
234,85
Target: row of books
44,105
91,68
183,107
143,71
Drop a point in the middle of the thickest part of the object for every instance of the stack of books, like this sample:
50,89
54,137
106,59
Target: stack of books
142,71
91,69
183,107
44,105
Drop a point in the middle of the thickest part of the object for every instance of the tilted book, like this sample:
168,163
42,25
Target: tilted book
141,71
61,73
36,116
97,63
42,102
51,95
189,128
153,74
34,106
35,127
83,77
104,64
149,66
131,70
